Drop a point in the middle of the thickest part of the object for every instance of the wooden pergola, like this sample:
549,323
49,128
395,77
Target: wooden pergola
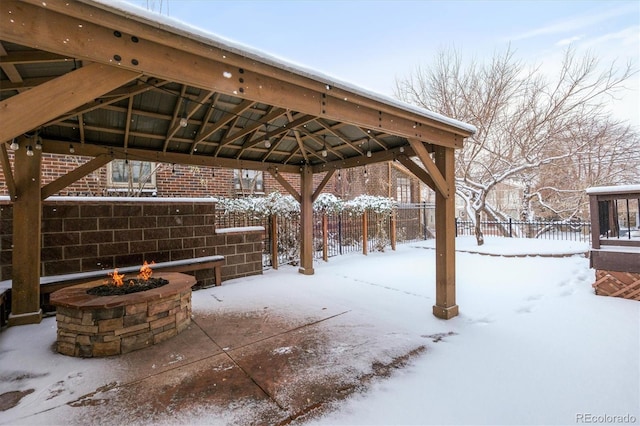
114,82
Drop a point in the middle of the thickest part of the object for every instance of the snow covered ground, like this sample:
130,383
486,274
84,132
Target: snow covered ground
532,343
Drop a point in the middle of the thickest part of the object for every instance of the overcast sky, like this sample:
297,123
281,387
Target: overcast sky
371,43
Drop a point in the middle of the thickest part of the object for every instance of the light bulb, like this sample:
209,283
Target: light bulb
39,143
14,145
402,149
183,122
369,153
71,149
267,144
29,151
324,152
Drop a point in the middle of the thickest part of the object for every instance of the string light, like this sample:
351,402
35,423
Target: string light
324,149
183,120
369,148
14,145
39,143
29,151
267,143
71,149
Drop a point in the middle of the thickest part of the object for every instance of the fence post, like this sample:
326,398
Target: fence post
274,241
424,221
510,230
365,234
456,221
340,233
393,231
325,237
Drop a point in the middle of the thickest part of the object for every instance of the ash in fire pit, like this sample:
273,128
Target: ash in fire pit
119,286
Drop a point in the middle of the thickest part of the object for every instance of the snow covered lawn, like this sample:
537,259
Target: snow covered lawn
532,343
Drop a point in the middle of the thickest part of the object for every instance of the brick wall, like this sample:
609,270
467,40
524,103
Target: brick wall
198,181
96,234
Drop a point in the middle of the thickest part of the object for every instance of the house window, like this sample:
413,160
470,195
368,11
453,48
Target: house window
248,181
403,190
131,174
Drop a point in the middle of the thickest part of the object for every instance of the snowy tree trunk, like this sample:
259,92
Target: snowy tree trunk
479,234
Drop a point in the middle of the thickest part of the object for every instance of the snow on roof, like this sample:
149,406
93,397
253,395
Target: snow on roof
181,28
618,189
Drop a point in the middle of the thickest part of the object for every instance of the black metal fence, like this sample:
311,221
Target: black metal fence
547,230
413,222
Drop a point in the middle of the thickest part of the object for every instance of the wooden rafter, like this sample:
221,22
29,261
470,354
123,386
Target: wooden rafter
178,109
232,137
9,67
58,96
108,99
223,121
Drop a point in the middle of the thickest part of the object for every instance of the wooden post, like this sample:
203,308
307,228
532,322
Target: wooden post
445,306
306,221
595,221
393,231
27,218
325,238
365,234
274,241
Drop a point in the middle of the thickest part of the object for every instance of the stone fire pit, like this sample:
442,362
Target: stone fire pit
98,326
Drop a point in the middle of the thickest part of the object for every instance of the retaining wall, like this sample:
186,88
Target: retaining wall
87,234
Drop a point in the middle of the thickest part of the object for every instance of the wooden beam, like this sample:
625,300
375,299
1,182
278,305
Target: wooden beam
75,175
306,221
209,129
417,171
421,151
27,220
285,184
6,170
445,306
62,147
26,111
322,184
71,29
109,98
376,157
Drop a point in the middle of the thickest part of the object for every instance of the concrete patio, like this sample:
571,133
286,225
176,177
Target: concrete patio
245,359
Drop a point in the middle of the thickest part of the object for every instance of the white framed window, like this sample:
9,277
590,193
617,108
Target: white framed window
248,181
403,190
131,174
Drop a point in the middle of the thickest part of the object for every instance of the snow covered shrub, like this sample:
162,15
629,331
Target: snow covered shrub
327,204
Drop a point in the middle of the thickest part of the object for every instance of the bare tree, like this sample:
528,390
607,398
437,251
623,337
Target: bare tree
525,121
